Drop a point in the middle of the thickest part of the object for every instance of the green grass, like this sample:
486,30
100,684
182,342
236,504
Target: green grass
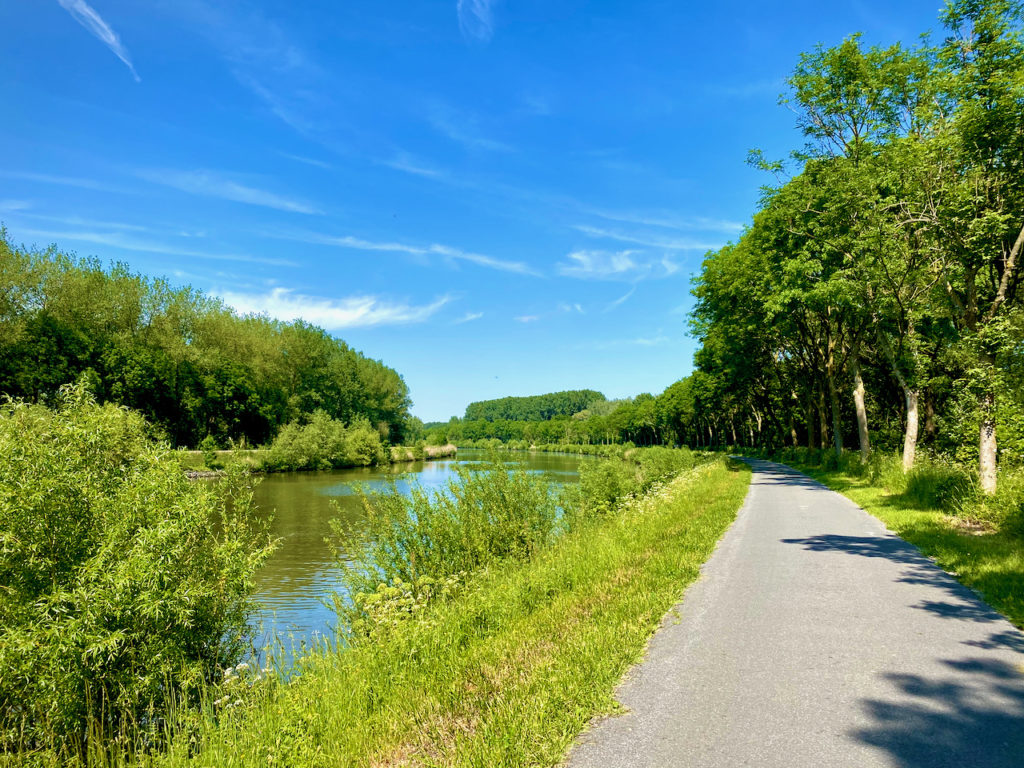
506,673
989,560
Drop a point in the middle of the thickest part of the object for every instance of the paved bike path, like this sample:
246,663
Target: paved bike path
815,637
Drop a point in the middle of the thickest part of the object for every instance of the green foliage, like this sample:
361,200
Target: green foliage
123,586
887,266
189,364
324,443
209,449
533,408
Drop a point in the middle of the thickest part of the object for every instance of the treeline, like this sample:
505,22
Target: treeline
192,366
642,420
875,298
533,408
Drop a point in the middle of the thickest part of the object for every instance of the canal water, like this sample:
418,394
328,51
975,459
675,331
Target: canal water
302,574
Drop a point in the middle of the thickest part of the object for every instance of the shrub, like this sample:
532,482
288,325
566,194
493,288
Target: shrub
362,446
124,584
209,449
325,443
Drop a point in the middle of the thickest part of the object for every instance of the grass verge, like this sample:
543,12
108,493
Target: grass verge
989,561
505,674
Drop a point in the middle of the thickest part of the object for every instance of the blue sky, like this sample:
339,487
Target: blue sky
493,197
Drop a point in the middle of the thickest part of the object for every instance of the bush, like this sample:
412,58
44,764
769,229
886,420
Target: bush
124,584
325,443
209,449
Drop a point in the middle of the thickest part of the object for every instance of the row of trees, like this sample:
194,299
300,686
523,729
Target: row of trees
876,294
534,407
642,420
187,362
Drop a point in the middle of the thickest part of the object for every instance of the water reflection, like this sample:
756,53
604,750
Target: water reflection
303,571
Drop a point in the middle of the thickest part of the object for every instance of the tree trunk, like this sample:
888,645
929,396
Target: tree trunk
862,413
929,416
910,435
837,429
810,425
822,419
987,443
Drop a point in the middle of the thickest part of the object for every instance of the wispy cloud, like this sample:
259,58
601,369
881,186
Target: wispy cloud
650,240
468,318
210,184
128,243
641,341
668,220
85,15
62,181
308,161
476,19
621,300
527,318
408,164
463,128
332,314
75,221
14,205
565,307
435,249
603,265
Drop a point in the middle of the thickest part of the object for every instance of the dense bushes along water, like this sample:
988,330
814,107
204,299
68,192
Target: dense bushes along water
125,593
123,586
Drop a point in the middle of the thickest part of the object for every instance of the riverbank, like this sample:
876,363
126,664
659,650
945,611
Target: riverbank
509,669
609,450
199,464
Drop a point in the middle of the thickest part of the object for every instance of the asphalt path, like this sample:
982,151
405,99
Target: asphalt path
815,637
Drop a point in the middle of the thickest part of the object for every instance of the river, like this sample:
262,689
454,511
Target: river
303,572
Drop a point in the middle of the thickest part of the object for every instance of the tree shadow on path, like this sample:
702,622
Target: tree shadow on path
973,715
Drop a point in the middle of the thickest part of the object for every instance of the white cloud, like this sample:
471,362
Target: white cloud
468,318
332,314
621,300
527,318
63,181
436,249
84,14
308,161
119,240
642,341
462,127
604,265
668,220
476,19
408,164
14,205
210,184
651,240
